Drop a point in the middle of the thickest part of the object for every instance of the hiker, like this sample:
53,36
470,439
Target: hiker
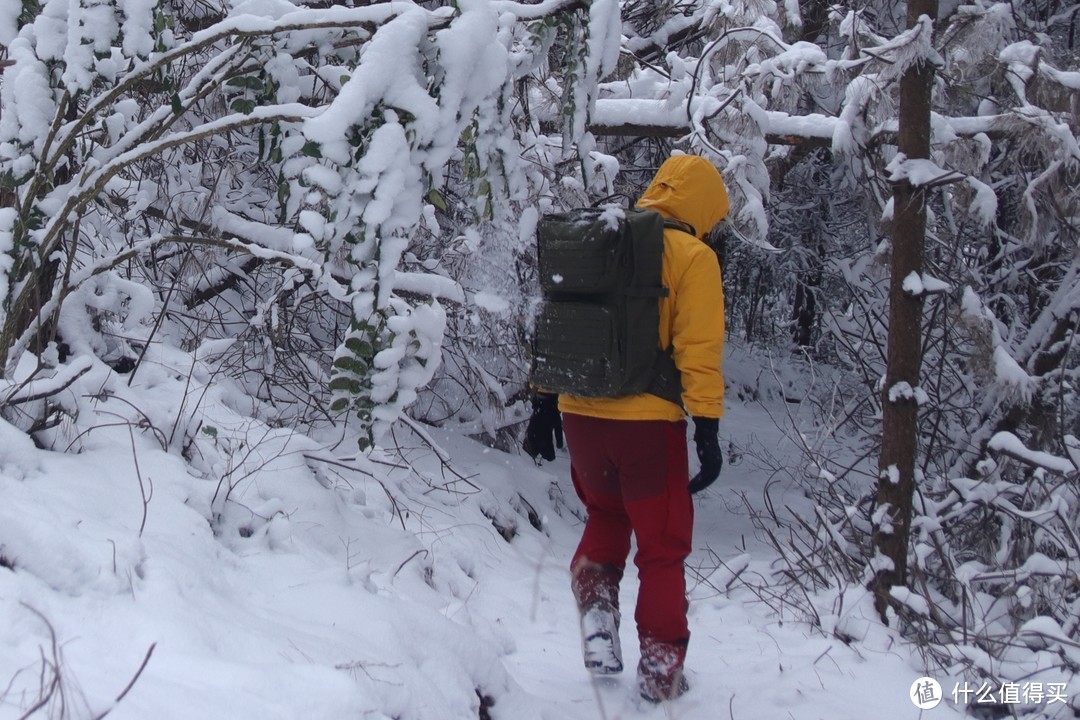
628,454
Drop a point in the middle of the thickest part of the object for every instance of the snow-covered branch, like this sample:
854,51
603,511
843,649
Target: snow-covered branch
1009,444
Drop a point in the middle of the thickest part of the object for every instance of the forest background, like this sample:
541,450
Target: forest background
329,209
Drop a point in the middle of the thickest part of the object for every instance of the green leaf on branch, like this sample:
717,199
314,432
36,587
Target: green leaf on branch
360,348
250,82
242,106
357,366
345,384
436,198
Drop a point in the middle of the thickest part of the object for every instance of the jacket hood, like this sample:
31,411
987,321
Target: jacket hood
688,188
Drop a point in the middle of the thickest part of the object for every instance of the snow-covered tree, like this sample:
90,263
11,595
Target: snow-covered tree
268,183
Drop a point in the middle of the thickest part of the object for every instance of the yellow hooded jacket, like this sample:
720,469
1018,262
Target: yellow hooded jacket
686,188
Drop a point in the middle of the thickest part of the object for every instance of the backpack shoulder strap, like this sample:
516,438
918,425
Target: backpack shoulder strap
680,225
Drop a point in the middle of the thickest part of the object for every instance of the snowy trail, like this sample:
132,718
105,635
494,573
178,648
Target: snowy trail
745,661
319,593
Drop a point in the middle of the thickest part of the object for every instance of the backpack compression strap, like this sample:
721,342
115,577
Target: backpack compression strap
667,380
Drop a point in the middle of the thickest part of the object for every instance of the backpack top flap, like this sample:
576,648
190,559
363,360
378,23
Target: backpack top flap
592,250
580,252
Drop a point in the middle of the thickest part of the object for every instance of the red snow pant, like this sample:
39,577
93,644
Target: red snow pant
633,477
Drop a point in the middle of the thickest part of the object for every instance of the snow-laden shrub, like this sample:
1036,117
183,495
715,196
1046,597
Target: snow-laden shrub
284,183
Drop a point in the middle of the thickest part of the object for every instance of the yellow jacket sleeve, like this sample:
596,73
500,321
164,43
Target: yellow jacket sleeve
697,331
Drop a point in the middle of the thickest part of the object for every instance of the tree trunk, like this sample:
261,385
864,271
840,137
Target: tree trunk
896,479
804,307
802,316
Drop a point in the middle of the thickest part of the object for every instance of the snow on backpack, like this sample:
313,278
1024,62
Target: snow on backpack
597,330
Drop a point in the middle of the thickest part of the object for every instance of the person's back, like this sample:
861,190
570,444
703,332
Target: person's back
686,188
628,454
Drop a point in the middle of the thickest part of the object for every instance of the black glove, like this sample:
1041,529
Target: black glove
544,432
707,443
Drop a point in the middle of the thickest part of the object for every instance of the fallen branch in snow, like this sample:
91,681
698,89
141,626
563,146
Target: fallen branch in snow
442,455
678,130
338,463
721,576
32,390
144,423
52,687
343,463
131,683
418,553
612,118
143,494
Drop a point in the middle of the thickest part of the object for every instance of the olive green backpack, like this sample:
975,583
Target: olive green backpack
597,330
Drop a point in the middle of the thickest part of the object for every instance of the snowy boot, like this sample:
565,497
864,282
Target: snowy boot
660,672
596,589
600,645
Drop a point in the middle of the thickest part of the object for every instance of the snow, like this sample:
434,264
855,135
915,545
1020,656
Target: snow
9,20
8,217
389,73
26,91
473,72
276,578
902,391
913,284
611,216
923,284
914,602
1009,373
615,111
893,474
664,114
605,33
985,205
1022,59
429,284
1072,447
491,302
1010,444
919,172
136,26
1071,80
273,239
809,125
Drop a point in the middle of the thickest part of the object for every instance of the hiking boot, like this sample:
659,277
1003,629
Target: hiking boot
600,639
595,582
660,672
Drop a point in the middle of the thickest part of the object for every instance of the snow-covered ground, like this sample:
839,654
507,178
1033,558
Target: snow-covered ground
270,575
